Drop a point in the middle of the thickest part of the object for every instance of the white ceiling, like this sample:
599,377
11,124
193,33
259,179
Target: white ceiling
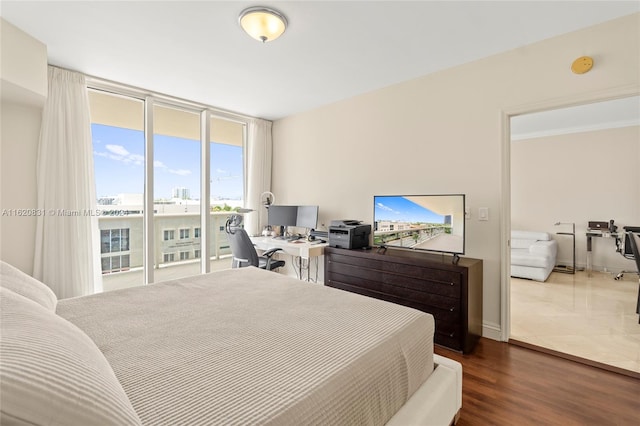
195,50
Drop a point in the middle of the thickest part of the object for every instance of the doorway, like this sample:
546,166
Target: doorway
569,166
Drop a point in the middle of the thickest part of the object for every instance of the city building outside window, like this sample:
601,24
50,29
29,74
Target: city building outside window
184,234
169,235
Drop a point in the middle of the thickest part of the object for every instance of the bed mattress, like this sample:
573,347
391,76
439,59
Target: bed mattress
247,346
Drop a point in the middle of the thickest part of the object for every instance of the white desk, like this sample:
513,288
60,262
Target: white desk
590,235
302,249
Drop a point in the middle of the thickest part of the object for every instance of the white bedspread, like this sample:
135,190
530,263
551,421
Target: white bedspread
247,346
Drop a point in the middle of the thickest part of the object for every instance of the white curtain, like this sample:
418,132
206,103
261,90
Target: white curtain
67,255
258,173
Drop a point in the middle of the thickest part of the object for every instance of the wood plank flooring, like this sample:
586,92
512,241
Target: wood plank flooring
504,384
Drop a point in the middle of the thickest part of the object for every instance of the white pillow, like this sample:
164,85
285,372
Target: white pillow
51,373
19,282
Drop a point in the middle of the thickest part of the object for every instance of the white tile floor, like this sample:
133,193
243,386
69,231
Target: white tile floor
589,317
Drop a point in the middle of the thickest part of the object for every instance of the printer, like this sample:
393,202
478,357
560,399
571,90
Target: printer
349,234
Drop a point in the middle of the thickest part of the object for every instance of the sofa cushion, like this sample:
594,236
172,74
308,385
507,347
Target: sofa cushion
545,248
524,257
519,243
52,373
530,235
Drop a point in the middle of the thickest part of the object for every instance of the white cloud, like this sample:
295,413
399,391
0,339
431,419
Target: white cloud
387,208
137,158
117,150
383,207
120,153
180,172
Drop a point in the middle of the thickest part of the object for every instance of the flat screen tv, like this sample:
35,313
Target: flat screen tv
420,222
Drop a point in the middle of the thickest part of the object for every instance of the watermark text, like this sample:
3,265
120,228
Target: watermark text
62,212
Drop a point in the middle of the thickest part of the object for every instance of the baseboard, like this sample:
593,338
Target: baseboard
492,331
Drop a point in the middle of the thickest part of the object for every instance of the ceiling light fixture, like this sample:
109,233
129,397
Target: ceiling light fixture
262,23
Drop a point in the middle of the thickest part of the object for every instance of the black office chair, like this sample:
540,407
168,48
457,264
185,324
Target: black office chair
634,240
623,246
243,250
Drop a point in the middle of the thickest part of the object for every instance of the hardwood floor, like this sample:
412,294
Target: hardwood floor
504,384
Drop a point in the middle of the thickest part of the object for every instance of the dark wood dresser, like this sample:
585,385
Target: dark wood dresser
452,293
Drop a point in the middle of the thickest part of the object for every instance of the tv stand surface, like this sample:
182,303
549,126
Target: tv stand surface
451,292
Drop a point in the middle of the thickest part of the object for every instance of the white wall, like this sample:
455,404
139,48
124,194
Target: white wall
18,151
23,68
442,133
577,178
23,79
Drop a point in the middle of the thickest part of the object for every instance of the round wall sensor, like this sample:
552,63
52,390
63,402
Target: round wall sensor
582,65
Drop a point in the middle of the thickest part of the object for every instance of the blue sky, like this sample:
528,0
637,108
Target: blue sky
399,209
119,164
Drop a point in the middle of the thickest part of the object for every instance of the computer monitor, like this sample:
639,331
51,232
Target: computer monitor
298,216
282,215
307,217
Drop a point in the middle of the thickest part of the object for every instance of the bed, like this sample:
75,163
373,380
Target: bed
240,346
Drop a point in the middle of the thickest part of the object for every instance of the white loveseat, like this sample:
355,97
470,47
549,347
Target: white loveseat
533,255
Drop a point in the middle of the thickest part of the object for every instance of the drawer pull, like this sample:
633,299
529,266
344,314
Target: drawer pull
451,334
452,309
451,284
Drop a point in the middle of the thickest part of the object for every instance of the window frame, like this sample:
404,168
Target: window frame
207,114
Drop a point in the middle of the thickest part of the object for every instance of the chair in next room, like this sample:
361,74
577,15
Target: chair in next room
243,250
623,246
634,240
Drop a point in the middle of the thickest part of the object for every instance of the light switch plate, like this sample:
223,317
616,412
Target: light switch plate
483,213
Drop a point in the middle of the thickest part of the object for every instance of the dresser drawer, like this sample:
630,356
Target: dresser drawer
359,272
444,308
363,270
443,288
452,342
363,262
434,275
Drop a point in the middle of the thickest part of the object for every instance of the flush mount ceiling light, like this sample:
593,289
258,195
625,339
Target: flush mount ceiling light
262,23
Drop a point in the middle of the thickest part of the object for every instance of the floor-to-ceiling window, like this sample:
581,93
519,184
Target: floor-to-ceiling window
227,178
118,148
118,128
176,189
